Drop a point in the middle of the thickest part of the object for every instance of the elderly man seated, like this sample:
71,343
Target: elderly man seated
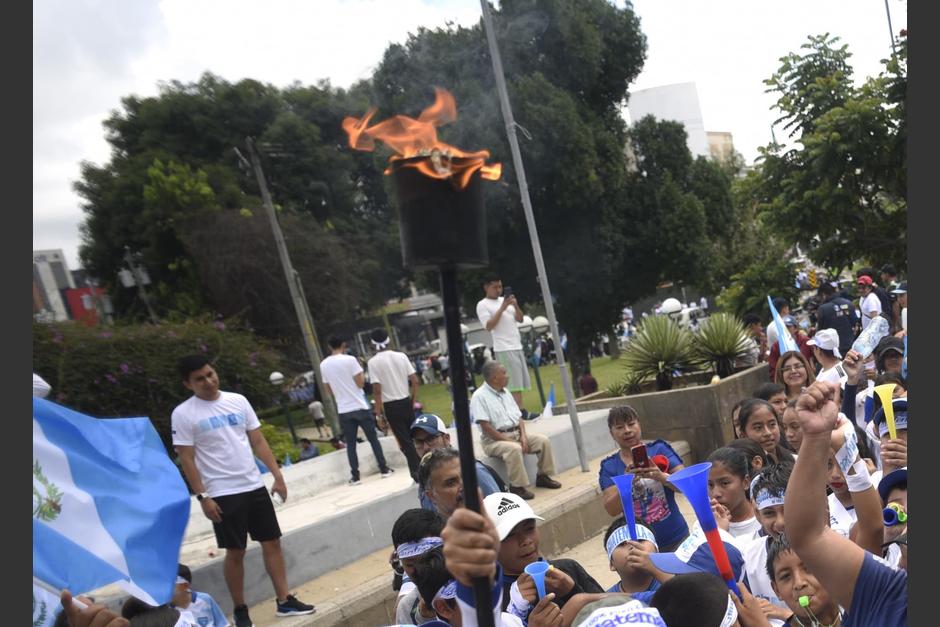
504,434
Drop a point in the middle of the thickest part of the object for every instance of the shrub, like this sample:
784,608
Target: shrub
130,370
720,340
659,348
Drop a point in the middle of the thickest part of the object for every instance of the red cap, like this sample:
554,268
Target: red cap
864,280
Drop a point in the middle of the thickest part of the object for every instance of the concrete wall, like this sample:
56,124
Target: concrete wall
699,415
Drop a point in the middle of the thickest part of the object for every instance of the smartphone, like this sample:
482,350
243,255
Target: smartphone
507,292
640,457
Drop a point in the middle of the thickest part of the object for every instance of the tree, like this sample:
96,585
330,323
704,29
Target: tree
840,192
173,177
568,66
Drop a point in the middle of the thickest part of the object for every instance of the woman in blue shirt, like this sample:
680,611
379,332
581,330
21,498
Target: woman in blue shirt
654,500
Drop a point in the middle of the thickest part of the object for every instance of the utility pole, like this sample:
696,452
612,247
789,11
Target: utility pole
533,232
304,319
139,280
894,50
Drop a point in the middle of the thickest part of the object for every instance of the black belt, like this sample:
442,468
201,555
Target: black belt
510,430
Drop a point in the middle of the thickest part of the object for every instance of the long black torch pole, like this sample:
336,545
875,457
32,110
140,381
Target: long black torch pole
458,380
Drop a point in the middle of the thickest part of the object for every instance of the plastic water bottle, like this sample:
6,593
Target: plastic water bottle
868,339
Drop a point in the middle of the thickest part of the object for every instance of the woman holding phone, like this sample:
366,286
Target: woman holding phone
654,499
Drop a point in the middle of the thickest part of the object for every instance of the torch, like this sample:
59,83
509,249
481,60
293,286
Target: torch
442,225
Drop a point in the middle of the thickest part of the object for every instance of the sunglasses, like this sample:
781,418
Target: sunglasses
395,563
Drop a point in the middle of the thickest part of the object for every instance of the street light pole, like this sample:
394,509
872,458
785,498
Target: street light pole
533,232
293,281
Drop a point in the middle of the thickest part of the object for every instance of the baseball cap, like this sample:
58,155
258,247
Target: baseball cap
790,321
507,510
694,555
826,339
430,424
900,417
889,343
891,481
901,288
864,280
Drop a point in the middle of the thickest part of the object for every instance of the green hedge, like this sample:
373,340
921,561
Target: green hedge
125,371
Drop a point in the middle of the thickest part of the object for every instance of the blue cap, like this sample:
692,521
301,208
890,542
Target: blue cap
429,423
891,481
695,556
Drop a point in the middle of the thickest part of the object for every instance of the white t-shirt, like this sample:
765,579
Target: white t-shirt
755,565
836,375
869,305
219,431
505,334
746,530
391,370
339,371
840,518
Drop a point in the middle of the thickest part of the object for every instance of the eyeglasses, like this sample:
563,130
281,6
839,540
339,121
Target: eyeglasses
395,563
793,368
423,441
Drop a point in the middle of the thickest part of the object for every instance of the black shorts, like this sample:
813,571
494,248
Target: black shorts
246,513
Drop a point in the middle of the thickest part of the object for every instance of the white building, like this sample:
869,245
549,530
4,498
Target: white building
677,102
50,276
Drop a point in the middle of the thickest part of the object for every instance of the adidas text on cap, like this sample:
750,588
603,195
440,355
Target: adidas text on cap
507,510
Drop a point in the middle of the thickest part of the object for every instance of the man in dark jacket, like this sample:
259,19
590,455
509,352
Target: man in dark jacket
836,313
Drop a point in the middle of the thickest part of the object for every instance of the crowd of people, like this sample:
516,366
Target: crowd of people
809,495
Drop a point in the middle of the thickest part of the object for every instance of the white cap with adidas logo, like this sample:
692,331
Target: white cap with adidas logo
507,510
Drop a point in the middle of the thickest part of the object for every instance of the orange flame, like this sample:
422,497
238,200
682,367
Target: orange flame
409,138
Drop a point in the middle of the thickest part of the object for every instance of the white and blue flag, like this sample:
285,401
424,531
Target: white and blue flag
547,412
109,506
785,341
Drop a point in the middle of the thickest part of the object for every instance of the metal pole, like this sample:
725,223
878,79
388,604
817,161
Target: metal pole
285,407
894,50
138,279
533,233
300,304
311,330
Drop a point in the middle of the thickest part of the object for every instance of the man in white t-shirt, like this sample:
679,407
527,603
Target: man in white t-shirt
499,313
217,435
395,390
344,379
869,303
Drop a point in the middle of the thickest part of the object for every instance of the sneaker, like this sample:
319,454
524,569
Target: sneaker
387,473
530,416
354,481
293,607
241,617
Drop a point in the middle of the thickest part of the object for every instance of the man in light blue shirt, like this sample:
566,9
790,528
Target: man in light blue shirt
429,432
505,436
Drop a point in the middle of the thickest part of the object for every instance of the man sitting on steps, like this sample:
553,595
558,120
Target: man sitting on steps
504,434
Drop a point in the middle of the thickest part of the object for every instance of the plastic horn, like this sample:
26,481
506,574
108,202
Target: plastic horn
894,514
693,482
625,487
886,393
537,571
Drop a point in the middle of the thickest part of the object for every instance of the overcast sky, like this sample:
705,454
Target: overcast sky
88,54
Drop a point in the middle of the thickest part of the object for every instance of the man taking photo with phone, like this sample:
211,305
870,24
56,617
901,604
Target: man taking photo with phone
499,313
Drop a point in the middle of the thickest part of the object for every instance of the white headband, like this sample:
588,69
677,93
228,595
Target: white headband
768,498
622,534
731,614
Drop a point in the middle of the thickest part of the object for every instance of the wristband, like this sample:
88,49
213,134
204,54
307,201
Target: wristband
861,480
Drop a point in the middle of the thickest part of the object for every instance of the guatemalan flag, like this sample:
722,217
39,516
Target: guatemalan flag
785,341
547,412
109,506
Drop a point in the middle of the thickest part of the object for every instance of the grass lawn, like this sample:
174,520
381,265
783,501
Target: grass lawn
436,397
